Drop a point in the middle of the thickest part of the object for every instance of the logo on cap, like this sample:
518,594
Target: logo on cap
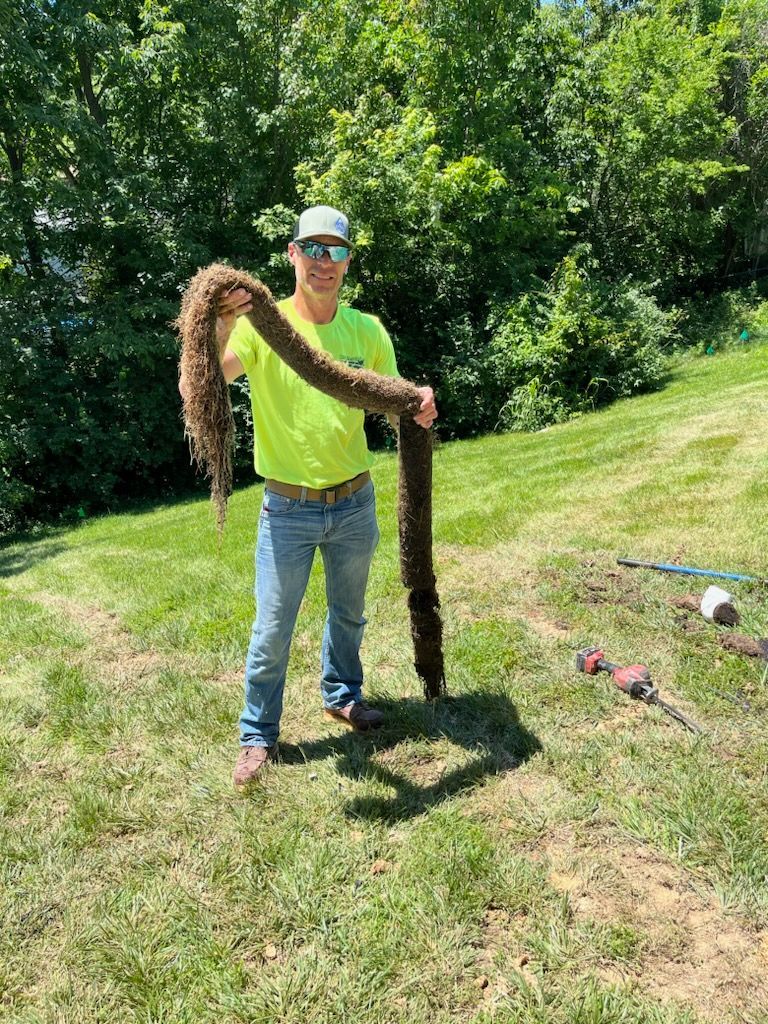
341,226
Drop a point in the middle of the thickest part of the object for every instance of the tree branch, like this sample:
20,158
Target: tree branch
86,83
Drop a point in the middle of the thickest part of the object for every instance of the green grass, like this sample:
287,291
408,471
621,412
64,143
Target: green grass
536,848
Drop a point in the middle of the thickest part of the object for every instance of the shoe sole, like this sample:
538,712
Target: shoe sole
244,787
350,725
256,780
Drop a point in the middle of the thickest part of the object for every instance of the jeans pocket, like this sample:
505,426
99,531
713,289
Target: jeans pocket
277,504
365,496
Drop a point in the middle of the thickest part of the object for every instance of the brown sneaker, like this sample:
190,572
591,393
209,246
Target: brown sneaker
250,764
359,717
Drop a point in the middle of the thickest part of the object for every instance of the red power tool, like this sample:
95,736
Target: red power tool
632,679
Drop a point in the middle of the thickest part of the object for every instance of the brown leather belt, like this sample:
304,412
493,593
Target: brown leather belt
330,495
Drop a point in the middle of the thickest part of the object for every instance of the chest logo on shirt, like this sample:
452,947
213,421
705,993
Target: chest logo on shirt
355,364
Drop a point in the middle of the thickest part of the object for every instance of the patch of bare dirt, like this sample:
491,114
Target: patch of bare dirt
738,644
428,772
694,952
422,768
532,786
381,866
628,714
550,629
691,951
231,680
688,602
598,591
498,933
689,625
114,648
499,794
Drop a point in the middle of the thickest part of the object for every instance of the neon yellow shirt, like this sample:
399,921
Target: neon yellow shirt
300,435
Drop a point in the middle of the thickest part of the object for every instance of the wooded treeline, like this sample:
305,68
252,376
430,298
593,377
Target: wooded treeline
534,192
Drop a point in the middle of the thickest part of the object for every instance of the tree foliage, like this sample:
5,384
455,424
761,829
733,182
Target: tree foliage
638,122
530,187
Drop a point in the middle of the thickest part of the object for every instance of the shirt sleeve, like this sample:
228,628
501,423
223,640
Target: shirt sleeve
386,361
244,342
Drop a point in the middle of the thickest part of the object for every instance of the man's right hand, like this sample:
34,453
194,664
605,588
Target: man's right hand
232,304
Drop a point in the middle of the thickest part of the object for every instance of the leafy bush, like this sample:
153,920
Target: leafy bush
717,321
532,407
14,495
579,343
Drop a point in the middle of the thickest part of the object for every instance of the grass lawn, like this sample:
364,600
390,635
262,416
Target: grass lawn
537,848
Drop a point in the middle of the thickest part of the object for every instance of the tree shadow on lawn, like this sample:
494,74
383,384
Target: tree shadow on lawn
16,557
485,724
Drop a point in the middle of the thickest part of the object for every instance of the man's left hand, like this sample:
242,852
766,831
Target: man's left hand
427,413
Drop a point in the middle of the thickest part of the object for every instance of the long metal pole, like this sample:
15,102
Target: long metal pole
687,571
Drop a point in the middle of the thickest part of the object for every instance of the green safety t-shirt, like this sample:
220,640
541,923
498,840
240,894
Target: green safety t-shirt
302,436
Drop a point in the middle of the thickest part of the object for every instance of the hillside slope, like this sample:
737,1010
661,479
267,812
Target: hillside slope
536,848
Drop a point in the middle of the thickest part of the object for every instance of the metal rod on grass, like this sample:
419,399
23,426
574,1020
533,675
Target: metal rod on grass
688,571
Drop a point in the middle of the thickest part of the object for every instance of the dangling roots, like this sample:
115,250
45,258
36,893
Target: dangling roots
210,428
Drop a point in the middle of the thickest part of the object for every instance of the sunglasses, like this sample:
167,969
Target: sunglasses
316,251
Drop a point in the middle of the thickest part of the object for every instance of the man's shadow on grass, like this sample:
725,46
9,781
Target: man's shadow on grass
486,725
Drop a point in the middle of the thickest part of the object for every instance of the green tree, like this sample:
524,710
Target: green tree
743,27
138,145
642,138
438,239
578,343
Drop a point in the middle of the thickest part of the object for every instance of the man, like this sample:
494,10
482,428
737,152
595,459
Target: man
312,451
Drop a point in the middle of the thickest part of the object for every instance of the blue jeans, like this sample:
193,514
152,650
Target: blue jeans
289,533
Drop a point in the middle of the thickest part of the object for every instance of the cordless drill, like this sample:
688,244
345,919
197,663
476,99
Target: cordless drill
632,679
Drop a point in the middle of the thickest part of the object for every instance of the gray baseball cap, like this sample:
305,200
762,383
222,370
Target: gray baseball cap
322,220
